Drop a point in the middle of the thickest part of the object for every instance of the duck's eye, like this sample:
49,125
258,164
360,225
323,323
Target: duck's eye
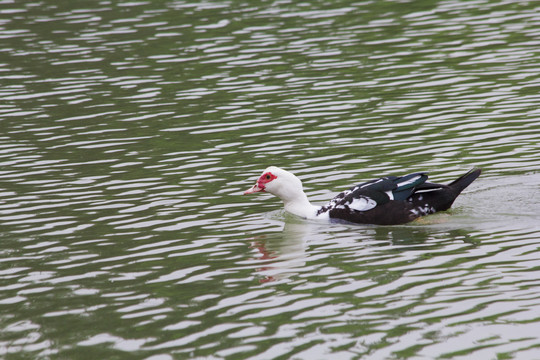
268,177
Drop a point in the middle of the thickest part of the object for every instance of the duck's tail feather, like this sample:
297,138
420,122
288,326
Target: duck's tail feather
463,181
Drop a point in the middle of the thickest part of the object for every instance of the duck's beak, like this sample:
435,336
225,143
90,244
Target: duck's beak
254,189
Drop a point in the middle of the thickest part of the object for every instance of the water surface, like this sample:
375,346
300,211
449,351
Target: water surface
128,132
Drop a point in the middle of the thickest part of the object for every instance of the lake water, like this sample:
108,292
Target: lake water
129,130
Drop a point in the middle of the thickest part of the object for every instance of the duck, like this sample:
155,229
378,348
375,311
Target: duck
388,200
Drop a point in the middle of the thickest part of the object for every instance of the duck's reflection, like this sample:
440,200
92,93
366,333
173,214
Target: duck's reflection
282,255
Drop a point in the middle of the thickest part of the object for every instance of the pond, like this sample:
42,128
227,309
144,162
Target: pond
129,131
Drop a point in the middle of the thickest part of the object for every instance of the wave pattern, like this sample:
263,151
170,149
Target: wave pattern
129,131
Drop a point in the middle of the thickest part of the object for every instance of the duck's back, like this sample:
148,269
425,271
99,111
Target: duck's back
395,200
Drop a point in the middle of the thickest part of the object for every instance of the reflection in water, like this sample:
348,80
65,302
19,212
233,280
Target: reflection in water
285,256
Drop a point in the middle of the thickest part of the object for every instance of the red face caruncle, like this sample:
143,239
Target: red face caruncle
265,179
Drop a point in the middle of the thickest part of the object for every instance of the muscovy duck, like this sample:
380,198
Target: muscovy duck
390,200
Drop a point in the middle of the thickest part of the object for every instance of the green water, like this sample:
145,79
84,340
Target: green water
128,132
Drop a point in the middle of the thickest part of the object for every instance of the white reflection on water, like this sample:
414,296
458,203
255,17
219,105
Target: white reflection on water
280,259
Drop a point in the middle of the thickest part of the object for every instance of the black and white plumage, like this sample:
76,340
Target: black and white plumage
388,200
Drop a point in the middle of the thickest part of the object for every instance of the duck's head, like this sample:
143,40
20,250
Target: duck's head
278,182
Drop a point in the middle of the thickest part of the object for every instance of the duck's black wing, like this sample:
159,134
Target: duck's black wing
380,201
396,200
430,198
